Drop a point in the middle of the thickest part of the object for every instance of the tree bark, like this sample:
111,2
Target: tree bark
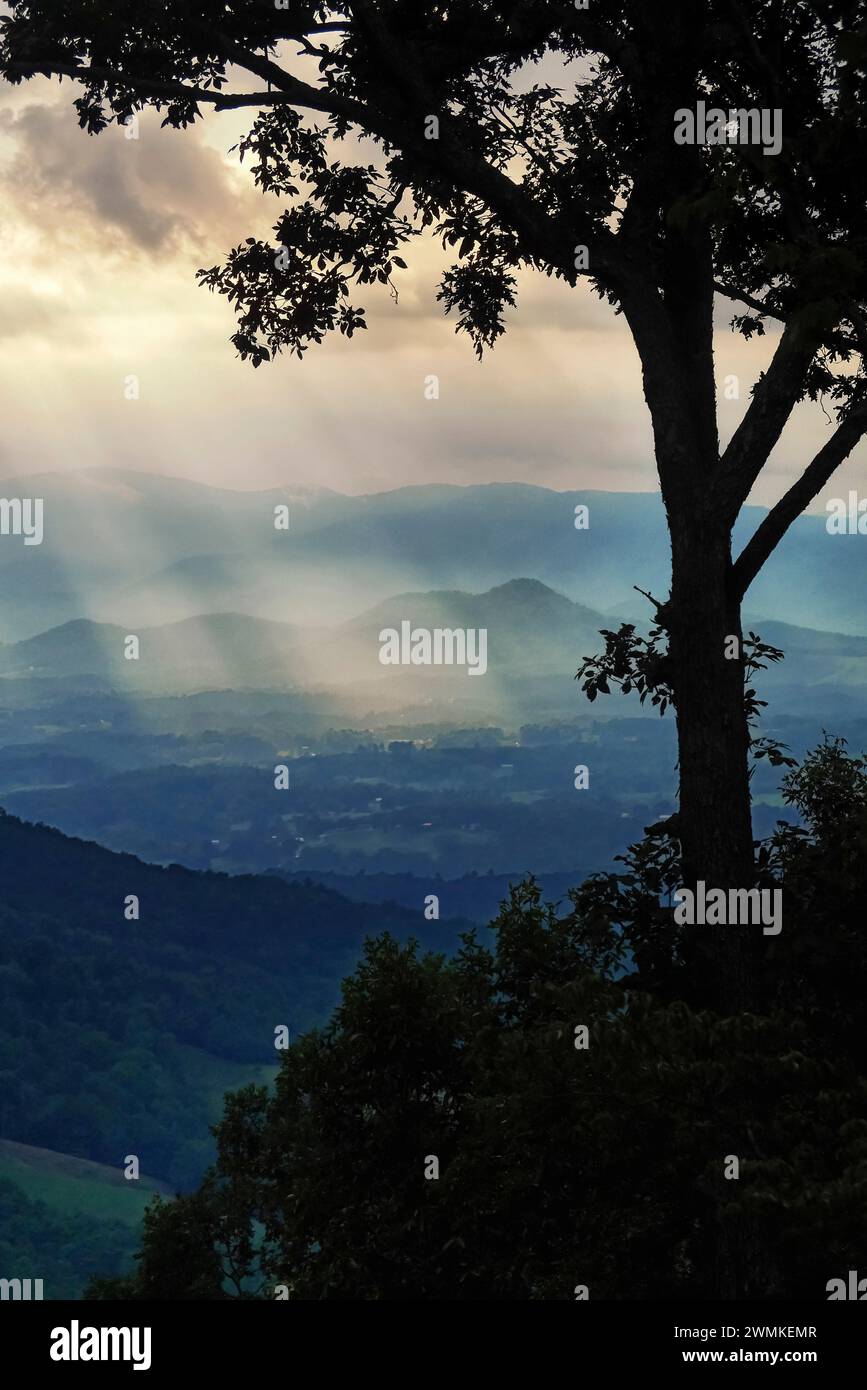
715,824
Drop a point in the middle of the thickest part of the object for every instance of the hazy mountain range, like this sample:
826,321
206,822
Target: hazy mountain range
119,1035
137,549
536,638
531,629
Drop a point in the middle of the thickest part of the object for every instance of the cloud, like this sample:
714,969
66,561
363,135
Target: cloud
178,200
162,192
99,243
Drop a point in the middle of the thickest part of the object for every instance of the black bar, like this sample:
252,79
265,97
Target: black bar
244,1338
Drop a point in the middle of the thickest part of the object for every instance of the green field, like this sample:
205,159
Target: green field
64,1218
74,1186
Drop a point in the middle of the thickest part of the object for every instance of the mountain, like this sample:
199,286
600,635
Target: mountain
477,897
536,638
118,1036
475,538
106,530
531,631
212,652
418,539
138,550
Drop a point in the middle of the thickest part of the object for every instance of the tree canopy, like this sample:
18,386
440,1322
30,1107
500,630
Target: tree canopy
583,1105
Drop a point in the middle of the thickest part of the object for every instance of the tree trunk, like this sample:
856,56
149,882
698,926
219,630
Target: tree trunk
715,826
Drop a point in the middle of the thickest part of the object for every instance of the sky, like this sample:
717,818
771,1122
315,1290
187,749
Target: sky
100,239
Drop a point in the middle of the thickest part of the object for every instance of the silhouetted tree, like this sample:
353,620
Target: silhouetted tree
574,171
607,1165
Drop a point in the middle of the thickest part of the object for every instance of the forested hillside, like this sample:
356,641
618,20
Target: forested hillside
119,1036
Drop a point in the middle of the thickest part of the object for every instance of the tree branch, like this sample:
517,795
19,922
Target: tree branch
340,27
774,399
155,88
600,37
259,64
544,239
732,292
859,323
839,341
799,496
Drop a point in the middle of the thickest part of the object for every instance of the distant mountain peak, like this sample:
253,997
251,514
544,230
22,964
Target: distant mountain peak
519,588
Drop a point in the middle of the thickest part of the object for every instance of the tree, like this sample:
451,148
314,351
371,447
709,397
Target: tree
583,1104
182,1254
598,175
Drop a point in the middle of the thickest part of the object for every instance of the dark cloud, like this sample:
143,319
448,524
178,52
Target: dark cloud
155,194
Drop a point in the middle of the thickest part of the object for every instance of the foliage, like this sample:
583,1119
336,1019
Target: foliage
632,662
559,1165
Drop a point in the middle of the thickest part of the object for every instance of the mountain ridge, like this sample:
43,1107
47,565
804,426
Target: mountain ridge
144,548
211,963
533,630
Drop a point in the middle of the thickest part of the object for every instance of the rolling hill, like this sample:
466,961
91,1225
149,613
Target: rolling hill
531,631
140,550
536,638
76,1185
119,1036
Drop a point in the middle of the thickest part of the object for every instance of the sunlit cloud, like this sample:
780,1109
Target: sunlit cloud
99,246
